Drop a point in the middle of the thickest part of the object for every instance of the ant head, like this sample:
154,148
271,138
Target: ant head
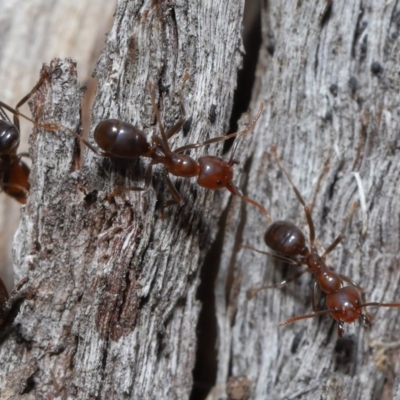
346,303
9,137
215,173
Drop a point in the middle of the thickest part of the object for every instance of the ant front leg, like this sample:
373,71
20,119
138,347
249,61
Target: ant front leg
340,329
300,198
252,292
44,75
366,320
340,237
175,194
147,180
314,298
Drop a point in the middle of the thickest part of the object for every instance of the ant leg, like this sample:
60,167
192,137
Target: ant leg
217,139
352,283
4,116
341,235
147,181
52,126
43,76
314,299
301,200
340,329
366,320
252,292
206,142
318,185
164,137
332,245
180,123
171,132
236,192
274,255
175,194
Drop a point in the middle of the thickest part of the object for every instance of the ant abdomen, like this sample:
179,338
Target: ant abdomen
215,173
285,238
14,170
9,137
120,139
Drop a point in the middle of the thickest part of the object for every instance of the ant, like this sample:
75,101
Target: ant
118,139
14,173
288,242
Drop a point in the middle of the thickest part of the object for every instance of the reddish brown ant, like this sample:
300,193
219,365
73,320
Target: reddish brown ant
118,139
288,242
14,173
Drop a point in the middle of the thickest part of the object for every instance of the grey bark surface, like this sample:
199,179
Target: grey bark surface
111,307
326,100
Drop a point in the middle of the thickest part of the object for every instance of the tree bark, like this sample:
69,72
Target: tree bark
328,72
111,307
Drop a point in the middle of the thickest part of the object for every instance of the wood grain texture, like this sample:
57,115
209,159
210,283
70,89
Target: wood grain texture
114,311
328,73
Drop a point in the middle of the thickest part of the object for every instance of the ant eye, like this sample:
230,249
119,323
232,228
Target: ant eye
219,183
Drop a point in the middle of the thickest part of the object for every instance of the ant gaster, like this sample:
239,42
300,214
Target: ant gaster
344,303
14,173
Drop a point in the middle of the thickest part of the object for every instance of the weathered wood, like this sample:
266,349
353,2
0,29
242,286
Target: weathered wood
326,99
114,308
114,311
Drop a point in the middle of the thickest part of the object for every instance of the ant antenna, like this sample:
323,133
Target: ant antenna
248,128
49,126
305,316
223,138
340,237
299,197
375,304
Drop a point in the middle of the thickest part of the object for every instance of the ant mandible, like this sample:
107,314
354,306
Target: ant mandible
118,139
288,242
14,173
